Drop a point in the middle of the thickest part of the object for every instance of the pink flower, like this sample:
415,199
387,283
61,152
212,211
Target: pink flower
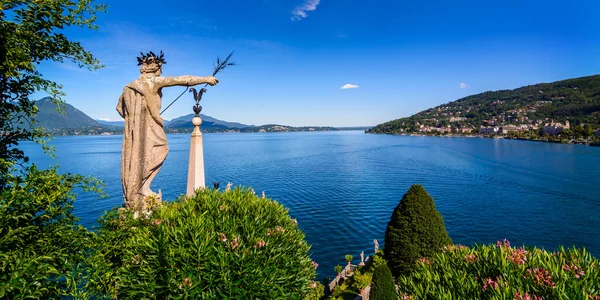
234,243
406,297
156,222
540,276
518,256
260,244
504,244
425,260
314,285
488,282
222,237
315,264
519,296
470,258
275,230
187,281
136,259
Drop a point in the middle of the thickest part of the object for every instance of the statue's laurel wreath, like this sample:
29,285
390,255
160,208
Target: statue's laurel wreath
150,58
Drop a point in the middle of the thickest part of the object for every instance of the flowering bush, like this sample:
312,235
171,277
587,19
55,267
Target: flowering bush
229,244
504,272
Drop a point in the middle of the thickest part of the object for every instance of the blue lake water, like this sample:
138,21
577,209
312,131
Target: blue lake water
343,186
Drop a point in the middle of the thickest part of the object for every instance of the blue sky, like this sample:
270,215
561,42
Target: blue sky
295,55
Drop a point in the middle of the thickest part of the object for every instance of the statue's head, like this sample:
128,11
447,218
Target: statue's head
150,63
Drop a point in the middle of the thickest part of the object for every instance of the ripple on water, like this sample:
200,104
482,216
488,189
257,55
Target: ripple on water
343,186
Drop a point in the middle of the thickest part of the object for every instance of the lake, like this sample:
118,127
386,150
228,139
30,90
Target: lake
343,186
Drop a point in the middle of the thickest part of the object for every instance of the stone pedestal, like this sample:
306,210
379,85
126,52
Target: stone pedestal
196,164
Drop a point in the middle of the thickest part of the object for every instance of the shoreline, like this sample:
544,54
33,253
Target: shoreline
593,144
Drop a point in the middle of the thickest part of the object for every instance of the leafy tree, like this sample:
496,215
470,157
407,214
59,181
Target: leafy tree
42,249
416,230
32,32
383,287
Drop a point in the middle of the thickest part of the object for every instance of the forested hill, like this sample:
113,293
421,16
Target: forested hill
576,100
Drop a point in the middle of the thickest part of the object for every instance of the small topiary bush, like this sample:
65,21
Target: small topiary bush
383,287
229,244
503,272
416,230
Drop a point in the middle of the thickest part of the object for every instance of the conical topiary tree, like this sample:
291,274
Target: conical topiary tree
416,230
382,286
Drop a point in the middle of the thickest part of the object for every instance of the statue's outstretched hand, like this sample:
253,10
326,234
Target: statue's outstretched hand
211,80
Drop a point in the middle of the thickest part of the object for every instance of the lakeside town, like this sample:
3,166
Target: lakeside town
563,111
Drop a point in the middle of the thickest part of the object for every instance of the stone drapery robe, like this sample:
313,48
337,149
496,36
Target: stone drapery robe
144,141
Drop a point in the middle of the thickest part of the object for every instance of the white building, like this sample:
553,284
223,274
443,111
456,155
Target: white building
556,128
488,130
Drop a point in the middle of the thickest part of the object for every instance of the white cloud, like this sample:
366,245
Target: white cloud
464,85
108,119
300,12
349,86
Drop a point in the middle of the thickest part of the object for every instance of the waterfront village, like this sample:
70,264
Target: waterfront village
515,123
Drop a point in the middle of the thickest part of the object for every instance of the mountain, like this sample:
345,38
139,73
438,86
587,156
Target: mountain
49,118
111,123
75,122
576,100
207,122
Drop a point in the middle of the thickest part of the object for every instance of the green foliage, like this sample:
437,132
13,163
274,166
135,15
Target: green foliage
42,249
338,269
348,258
416,230
503,272
32,32
362,279
378,260
317,291
383,287
212,245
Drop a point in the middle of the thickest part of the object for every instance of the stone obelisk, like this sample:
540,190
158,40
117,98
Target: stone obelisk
196,165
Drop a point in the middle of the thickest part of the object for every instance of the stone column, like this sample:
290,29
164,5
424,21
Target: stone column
196,165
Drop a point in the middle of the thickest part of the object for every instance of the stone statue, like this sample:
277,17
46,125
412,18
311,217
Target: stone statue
144,140
362,259
376,245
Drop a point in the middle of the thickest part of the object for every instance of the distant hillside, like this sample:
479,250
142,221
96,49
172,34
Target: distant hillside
208,123
75,122
284,128
576,100
49,118
111,123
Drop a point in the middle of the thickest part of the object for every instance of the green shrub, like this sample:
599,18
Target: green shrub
361,279
348,258
383,287
504,272
338,269
416,230
42,249
229,244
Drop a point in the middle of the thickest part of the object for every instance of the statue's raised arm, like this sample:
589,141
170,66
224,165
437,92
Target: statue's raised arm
185,80
144,140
